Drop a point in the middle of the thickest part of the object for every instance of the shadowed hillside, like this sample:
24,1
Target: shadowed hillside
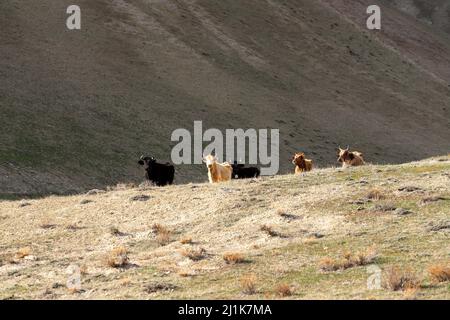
433,12
424,46
79,107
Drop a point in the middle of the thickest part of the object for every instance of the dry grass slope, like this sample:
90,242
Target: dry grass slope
330,215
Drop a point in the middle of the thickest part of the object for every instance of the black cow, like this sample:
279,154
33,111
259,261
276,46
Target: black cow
158,173
241,172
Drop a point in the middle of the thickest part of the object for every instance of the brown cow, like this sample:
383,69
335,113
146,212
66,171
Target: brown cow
217,172
350,158
301,163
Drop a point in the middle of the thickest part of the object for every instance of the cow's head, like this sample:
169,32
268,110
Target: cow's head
146,161
344,155
209,160
298,158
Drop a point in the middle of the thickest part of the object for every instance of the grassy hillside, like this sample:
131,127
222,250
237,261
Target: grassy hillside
307,237
78,107
423,45
435,12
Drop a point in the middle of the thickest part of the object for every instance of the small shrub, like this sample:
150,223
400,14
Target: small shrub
436,226
46,224
329,264
156,287
158,228
269,230
396,279
285,215
73,290
194,254
140,197
84,270
163,238
411,293
284,290
439,272
233,258
383,208
24,203
23,252
10,258
375,194
72,227
186,240
117,258
365,257
349,260
310,240
185,274
115,231
433,199
248,284
163,235
125,282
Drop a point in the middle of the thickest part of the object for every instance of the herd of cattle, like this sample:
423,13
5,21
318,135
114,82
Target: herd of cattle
162,174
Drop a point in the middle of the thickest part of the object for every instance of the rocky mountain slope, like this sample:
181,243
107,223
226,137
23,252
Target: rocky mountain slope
79,107
432,12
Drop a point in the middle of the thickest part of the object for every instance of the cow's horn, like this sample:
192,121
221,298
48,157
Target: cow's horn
142,157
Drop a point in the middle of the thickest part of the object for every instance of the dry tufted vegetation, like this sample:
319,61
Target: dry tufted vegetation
194,254
401,279
349,260
23,252
375,194
439,272
284,290
186,240
248,284
117,258
233,258
331,238
269,230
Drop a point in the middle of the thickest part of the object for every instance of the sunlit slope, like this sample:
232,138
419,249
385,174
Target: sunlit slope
78,107
321,235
